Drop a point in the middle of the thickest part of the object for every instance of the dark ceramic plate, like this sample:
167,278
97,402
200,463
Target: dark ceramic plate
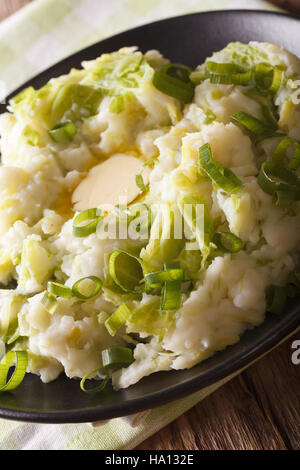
188,39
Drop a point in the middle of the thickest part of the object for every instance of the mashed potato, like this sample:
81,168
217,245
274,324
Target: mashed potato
247,244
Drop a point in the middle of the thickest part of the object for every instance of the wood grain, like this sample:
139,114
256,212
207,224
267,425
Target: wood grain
259,410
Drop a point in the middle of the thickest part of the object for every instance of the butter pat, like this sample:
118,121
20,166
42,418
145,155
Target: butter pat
110,182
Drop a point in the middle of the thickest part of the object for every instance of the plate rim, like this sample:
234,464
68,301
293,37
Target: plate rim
179,390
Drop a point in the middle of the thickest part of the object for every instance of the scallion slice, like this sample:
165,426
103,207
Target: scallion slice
281,152
255,126
281,182
100,388
116,358
227,242
21,358
174,80
126,270
227,73
150,162
82,288
112,359
117,319
224,68
171,296
171,291
63,132
276,299
92,219
49,302
59,290
222,176
170,275
268,79
139,181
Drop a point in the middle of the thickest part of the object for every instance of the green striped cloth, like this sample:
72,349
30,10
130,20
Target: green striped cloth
31,40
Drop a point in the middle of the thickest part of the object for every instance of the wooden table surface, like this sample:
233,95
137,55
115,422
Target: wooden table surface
260,409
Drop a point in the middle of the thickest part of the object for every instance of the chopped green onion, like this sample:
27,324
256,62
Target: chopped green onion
150,162
276,299
21,358
139,181
269,116
281,150
49,302
284,198
268,79
224,68
170,275
63,132
77,288
174,80
255,126
281,182
117,319
268,108
92,217
235,243
171,291
59,290
227,74
222,176
112,359
126,270
171,296
230,79
95,389
116,358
